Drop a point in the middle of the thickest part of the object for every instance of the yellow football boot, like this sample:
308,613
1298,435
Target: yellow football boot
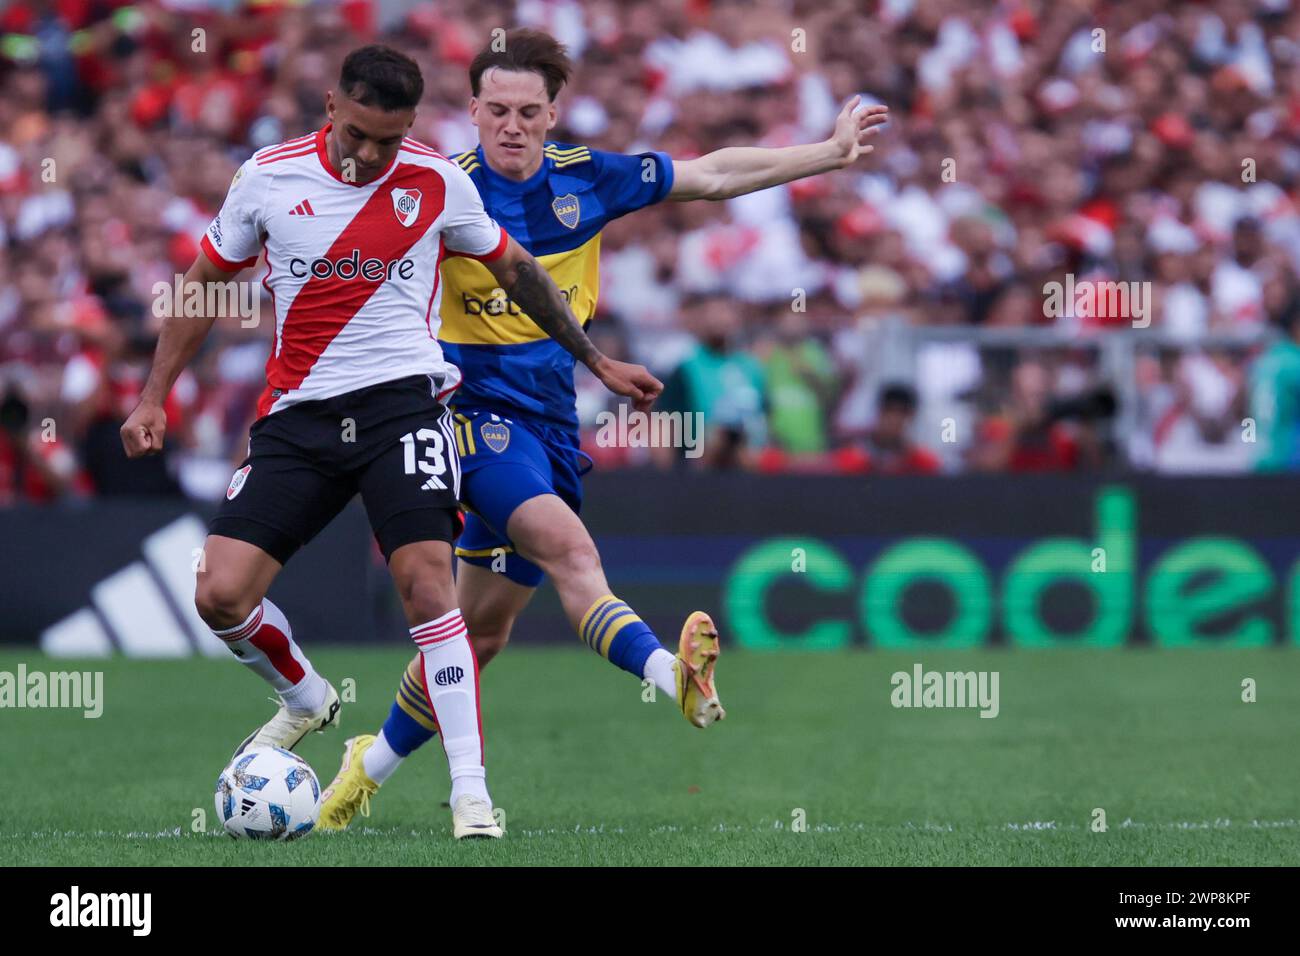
350,790
697,653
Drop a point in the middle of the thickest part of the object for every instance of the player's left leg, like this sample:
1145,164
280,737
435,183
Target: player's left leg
449,674
524,487
415,517
490,603
548,532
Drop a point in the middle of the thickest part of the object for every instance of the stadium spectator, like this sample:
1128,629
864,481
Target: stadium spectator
801,386
1020,435
889,443
34,465
722,384
1275,396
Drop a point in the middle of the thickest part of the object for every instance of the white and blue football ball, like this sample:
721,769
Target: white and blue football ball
268,793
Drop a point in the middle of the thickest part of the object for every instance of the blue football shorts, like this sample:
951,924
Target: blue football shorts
506,461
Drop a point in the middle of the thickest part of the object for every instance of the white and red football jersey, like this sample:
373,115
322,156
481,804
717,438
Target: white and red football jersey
353,267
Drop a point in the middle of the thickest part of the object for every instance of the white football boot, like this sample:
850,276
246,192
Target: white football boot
472,817
286,729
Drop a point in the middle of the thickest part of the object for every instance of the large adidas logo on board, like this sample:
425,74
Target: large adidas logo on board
147,608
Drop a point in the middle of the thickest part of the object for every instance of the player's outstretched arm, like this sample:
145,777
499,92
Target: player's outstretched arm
181,336
736,170
534,291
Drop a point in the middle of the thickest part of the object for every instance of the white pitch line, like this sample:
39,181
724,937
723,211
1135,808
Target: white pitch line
602,829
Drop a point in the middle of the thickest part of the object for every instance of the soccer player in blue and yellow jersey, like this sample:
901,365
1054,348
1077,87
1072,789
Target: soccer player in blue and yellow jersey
517,425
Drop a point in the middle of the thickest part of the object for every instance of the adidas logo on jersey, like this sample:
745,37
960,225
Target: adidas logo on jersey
303,209
352,267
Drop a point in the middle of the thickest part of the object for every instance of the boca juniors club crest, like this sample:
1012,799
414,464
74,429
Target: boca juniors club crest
567,210
496,435
237,482
406,204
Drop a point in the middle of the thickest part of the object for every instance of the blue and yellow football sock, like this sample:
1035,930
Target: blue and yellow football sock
613,630
410,724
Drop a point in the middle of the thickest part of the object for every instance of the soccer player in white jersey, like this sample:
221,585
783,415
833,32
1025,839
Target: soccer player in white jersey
355,219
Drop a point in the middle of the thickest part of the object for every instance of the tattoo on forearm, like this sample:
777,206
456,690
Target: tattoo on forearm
537,294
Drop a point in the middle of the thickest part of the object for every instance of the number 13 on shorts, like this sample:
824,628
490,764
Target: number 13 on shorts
431,459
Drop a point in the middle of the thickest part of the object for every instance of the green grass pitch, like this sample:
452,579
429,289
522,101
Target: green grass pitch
589,774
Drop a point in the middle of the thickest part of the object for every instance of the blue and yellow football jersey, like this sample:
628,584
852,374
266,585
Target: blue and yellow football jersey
509,365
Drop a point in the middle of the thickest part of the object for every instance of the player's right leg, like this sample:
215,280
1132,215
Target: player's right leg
277,501
230,596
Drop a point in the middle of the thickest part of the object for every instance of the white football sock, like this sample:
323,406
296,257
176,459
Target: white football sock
308,695
264,643
659,668
381,759
474,785
451,678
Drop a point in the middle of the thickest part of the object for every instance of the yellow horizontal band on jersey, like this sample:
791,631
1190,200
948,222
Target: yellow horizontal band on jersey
475,310
463,158
554,150
483,552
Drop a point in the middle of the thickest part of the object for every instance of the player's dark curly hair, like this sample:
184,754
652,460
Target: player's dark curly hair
527,51
380,76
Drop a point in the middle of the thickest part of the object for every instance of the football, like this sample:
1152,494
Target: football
267,793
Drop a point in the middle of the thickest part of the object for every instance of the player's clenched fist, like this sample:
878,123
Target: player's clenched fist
633,381
144,430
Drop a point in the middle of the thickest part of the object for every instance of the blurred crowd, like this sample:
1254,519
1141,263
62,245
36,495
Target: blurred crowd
1137,141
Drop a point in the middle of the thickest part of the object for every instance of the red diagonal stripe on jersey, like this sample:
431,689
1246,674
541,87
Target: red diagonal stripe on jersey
323,307
306,204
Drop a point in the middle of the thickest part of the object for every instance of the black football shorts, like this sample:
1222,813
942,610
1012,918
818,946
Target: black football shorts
392,443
